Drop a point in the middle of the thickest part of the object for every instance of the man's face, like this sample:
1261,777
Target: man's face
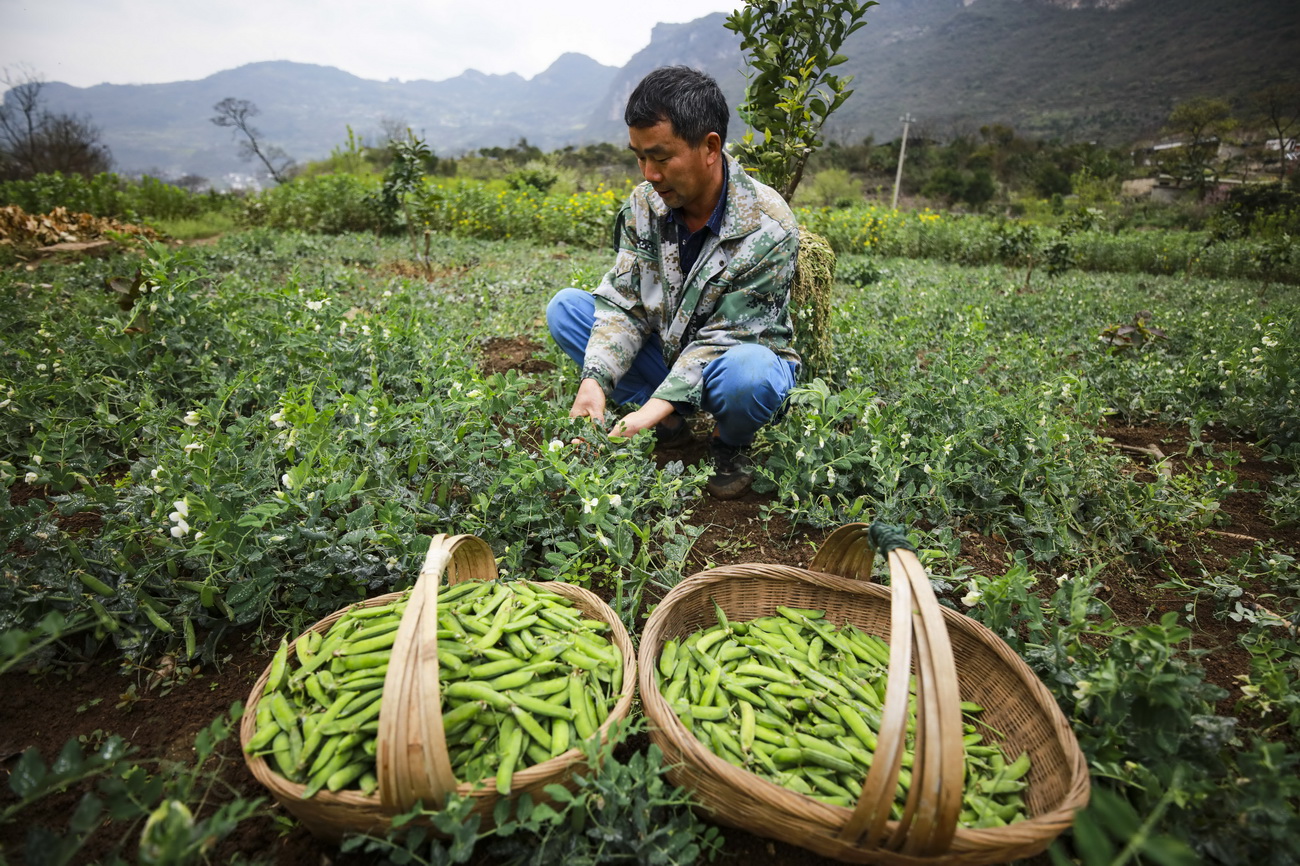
684,176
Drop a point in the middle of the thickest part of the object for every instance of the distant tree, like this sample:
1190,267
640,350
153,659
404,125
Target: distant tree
192,183
234,114
394,128
35,141
1277,109
1049,180
1200,122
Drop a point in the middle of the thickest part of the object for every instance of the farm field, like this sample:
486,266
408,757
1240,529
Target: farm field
209,447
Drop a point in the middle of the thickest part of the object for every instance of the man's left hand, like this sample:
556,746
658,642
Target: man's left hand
654,411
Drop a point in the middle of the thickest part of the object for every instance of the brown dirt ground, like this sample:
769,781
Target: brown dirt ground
165,712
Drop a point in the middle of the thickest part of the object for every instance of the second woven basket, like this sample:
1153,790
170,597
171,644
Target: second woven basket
952,658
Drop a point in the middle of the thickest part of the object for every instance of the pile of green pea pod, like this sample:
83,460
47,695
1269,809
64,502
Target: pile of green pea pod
523,674
797,700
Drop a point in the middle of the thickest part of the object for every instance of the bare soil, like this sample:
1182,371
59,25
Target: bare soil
171,703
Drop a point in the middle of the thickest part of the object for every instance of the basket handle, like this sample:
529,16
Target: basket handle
412,761
918,641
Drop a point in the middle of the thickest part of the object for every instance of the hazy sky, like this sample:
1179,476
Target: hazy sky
88,42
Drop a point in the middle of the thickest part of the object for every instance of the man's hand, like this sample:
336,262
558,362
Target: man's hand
590,402
654,411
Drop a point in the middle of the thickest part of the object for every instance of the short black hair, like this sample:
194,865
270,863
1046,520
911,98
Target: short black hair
688,99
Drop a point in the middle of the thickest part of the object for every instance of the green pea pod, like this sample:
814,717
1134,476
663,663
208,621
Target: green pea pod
561,735
667,659
513,737
96,585
533,728
263,737
1017,768
345,776
542,707
474,691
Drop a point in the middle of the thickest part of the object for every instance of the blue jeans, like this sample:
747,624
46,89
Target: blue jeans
742,390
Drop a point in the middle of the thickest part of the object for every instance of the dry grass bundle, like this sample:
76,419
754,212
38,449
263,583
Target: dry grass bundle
810,302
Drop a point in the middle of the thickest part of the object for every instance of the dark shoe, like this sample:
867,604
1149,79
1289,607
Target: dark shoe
733,472
671,440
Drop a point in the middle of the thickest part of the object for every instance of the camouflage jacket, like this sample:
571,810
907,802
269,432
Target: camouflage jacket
738,292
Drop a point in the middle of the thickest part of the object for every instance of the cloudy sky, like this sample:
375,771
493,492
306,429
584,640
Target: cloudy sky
88,42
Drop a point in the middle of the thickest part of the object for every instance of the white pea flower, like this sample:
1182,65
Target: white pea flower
392,563
276,539
972,598
158,488
191,418
926,469
278,419
374,411
36,458
1063,579
182,509
588,505
1082,690
180,529
600,536
474,394
799,455
830,475
153,473
198,535
286,481
555,445
316,306
193,446
31,477
41,368
615,500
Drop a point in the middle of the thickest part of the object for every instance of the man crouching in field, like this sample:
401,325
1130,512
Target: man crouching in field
694,315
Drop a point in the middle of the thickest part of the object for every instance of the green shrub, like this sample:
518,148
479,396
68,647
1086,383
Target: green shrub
330,203
112,196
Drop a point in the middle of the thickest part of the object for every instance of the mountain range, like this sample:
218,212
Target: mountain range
1104,70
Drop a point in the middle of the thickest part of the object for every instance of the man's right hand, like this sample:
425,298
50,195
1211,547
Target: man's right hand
590,402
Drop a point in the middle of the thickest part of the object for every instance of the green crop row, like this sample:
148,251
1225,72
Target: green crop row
247,436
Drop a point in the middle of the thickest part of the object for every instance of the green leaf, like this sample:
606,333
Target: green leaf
86,815
69,761
559,793
26,777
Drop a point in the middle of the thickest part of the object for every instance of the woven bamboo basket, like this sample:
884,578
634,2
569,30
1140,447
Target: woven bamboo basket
953,659
412,762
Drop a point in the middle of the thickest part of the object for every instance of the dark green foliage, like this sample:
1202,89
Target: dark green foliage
155,810
625,811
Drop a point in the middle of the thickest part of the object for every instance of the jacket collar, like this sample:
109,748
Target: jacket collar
742,214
